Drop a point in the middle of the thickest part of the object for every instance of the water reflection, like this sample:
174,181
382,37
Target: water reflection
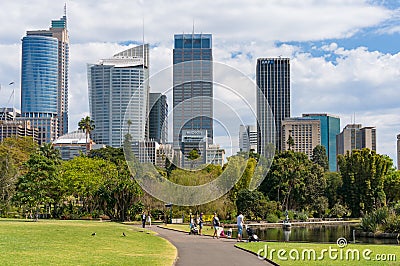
316,233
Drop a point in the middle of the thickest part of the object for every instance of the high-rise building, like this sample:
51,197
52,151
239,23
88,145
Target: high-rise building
305,132
398,151
194,140
9,113
17,128
273,81
192,85
44,79
158,118
330,127
112,83
215,155
247,138
354,136
11,125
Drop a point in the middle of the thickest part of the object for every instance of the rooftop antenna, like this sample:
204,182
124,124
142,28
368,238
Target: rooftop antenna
65,9
143,50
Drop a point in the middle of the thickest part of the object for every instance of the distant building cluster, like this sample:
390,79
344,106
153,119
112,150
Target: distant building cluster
122,105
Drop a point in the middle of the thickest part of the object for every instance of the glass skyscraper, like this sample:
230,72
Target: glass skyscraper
330,127
158,118
192,85
112,83
44,79
273,81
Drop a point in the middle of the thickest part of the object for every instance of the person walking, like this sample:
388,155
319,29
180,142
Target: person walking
215,222
201,221
143,219
149,219
240,221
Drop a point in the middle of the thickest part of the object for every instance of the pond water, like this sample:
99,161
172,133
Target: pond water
315,233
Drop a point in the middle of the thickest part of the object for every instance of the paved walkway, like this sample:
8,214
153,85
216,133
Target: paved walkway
204,250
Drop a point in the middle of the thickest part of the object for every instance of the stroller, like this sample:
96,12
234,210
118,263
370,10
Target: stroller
193,229
252,236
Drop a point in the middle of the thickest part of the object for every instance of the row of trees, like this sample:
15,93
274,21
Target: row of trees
35,179
366,181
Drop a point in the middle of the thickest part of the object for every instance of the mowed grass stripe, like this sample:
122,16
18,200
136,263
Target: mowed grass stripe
51,242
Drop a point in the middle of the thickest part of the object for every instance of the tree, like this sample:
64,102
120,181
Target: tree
87,125
245,179
392,186
252,204
363,173
319,157
13,153
290,142
193,156
333,187
34,188
294,181
48,151
83,178
120,193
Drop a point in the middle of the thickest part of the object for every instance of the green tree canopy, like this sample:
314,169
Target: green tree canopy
13,153
391,186
363,172
319,157
294,181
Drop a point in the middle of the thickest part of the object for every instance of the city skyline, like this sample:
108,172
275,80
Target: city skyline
347,69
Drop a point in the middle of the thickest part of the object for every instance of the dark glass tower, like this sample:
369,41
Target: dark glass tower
158,122
273,81
193,85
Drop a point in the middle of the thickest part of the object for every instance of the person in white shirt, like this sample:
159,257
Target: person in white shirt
240,220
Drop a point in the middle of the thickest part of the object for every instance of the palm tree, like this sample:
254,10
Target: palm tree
129,125
290,141
48,151
87,125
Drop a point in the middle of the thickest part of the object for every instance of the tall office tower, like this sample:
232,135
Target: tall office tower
112,83
398,151
193,85
330,127
158,118
273,81
44,79
305,132
354,136
247,138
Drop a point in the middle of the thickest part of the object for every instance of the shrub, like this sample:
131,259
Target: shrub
272,218
302,216
374,220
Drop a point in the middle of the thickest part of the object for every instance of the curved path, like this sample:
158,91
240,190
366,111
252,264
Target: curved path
204,250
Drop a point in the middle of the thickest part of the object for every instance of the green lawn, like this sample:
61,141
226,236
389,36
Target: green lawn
53,242
292,249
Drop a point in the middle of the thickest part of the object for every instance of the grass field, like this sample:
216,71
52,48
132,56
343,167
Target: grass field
343,256
52,242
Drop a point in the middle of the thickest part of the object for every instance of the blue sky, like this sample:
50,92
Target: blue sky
344,54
